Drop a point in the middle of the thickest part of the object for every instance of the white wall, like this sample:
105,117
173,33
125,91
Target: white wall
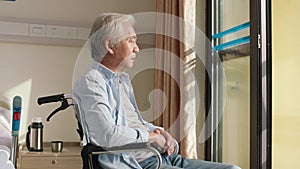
72,10
285,84
33,70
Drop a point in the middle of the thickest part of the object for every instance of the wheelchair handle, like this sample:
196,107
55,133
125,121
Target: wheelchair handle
55,98
49,99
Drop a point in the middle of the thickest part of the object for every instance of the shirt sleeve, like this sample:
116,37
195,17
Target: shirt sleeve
151,126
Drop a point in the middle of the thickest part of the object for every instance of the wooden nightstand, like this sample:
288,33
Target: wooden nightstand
69,158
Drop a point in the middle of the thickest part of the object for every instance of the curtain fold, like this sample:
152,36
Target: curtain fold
177,110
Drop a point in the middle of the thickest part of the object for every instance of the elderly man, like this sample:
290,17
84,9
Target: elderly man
107,101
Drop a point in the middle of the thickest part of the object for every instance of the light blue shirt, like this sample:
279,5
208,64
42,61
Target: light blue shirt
97,92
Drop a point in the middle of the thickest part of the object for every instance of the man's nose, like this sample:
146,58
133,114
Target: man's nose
136,49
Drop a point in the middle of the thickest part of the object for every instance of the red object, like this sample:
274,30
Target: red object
17,115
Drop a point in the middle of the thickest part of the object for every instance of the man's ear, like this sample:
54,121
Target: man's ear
108,46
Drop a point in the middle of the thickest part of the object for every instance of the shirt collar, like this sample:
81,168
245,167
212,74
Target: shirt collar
108,73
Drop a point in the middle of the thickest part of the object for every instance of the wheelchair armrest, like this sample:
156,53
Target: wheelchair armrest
129,147
90,150
93,149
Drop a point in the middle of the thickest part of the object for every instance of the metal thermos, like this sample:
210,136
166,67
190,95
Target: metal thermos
34,136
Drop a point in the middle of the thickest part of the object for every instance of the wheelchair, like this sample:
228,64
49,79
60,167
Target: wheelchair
90,152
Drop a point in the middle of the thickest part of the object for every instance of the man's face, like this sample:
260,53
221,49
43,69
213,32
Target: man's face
125,51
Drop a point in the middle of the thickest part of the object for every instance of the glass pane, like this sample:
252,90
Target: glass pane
236,112
234,86
231,14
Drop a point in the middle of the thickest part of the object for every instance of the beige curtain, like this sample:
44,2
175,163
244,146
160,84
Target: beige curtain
176,110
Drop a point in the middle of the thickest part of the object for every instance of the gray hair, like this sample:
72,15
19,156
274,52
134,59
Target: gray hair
107,25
